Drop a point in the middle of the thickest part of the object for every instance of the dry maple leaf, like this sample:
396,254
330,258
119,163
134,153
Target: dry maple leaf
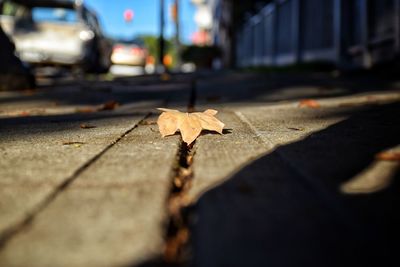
189,124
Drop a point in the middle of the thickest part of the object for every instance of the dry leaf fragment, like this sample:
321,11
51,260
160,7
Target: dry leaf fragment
189,124
72,143
87,126
310,103
296,128
24,113
389,156
110,105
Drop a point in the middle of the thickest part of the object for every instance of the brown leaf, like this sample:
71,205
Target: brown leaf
189,124
389,156
24,113
110,105
309,103
87,126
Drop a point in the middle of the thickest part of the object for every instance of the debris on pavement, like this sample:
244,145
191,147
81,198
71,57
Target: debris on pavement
73,143
309,103
296,128
389,156
147,122
110,105
87,126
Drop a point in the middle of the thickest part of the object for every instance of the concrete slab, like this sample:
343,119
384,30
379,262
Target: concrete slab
287,199
40,154
219,156
278,188
251,133
113,214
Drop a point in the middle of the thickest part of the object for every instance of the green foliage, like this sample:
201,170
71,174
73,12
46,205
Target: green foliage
152,42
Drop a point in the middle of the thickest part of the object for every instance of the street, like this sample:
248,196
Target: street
307,166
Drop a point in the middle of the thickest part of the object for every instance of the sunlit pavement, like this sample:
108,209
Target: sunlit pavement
306,172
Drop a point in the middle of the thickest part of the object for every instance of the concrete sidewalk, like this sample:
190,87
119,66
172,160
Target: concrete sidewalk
295,180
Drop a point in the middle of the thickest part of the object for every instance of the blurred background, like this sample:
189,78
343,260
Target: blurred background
131,37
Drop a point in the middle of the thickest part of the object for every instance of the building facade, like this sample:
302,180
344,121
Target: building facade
349,33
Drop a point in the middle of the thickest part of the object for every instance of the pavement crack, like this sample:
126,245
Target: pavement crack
9,233
176,251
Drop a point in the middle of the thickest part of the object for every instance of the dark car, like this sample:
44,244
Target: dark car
60,32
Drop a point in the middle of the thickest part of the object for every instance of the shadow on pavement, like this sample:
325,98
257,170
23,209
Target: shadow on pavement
213,89
91,94
272,214
273,87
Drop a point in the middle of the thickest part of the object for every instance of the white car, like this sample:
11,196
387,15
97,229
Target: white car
58,33
130,53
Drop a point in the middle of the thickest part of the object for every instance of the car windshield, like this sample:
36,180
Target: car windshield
42,14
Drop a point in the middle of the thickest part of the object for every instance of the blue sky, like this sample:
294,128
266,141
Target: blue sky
146,19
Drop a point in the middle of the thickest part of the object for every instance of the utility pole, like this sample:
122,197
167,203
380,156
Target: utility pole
161,44
175,17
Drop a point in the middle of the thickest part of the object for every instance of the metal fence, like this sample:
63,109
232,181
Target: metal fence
358,33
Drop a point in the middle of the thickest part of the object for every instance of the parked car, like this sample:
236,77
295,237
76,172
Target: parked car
59,32
129,52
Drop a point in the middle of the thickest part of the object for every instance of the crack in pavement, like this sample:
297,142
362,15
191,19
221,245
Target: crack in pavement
177,251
